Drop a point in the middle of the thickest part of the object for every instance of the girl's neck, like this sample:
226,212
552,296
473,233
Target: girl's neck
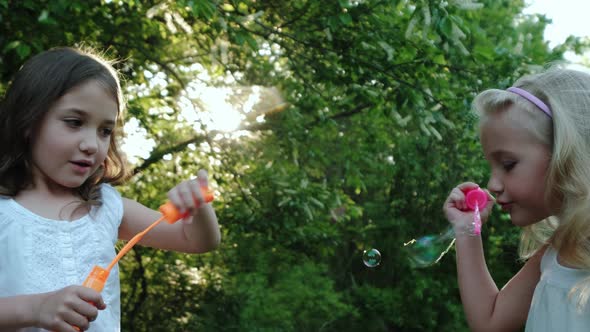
49,193
45,187
52,203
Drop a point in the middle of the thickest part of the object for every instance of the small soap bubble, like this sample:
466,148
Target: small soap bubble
371,257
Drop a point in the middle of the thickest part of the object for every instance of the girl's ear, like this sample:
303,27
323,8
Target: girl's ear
29,137
31,132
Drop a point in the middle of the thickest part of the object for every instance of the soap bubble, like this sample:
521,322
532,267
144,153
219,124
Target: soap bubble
371,257
429,249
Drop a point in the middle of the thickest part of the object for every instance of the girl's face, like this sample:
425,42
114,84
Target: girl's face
519,163
73,138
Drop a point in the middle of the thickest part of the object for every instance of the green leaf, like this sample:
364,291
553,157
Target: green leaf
228,7
345,18
317,202
485,52
446,27
251,41
284,201
23,50
240,37
205,9
440,59
344,3
44,18
12,45
333,23
243,8
44,15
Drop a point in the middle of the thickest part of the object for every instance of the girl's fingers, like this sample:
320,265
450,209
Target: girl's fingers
457,198
203,178
185,192
455,195
176,199
198,198
78,320
65,327
187,195
466,186
89,312
91,296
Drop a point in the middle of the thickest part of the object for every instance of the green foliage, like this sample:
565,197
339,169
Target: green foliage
287,297
377,131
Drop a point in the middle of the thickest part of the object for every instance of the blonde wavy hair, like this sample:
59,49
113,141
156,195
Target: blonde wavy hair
567,134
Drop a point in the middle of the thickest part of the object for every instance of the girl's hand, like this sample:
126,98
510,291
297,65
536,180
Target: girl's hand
456,210
187,195
61,310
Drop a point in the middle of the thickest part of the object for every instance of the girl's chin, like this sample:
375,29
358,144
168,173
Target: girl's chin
520,221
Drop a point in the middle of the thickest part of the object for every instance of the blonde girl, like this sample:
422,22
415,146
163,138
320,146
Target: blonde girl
536,138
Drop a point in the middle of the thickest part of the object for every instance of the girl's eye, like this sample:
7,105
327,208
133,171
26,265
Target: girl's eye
74,123
508,165
106,132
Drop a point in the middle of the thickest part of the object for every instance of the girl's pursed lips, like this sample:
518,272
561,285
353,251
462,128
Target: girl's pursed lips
82,162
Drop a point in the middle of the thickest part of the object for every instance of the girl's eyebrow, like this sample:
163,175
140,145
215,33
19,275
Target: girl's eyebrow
500,153
83,113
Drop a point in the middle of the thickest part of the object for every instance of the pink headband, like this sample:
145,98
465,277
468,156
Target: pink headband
528,96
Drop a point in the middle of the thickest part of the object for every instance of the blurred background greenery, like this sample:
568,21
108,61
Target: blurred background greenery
327,127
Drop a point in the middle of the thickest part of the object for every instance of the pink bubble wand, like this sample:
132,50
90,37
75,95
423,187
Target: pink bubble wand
476,200
430,249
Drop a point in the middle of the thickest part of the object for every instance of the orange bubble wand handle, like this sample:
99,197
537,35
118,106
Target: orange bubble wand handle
171,213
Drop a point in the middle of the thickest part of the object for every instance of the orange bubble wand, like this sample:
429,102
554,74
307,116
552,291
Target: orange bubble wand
98,276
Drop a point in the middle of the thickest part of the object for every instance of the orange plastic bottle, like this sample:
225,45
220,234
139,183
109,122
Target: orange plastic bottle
97,278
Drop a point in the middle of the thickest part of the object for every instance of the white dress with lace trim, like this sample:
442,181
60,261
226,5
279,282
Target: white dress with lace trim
40,255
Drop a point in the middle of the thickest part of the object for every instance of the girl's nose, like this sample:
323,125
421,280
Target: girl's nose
89,144
495,185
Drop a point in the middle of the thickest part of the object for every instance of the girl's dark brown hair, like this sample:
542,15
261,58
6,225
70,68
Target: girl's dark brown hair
40,82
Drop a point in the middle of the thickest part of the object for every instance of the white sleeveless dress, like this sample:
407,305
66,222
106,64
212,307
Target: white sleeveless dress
39,255
552,309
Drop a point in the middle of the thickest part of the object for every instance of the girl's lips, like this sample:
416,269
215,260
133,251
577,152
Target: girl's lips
505,206
80,168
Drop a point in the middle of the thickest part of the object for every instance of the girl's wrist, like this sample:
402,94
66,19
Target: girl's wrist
33,316
462,230
25,310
